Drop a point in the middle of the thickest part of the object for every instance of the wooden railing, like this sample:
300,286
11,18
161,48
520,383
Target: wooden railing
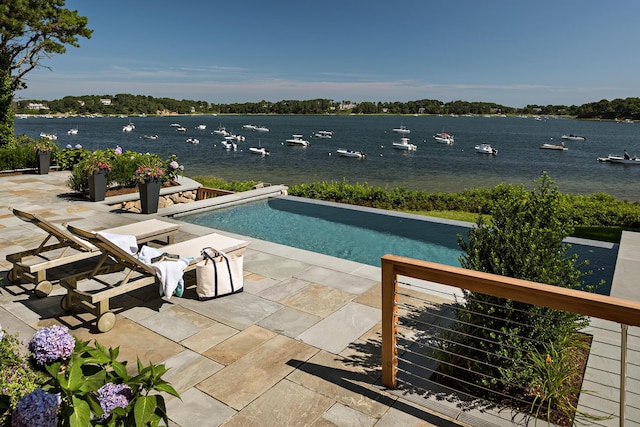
624,312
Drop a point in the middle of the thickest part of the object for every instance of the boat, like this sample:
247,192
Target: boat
486,149
402,129
626,160
128,127
193,140
554,147
405,145
572,137
259,150
229,145
444,138
296,139
201,127
181,129
262,128
48,136
151,137
175,125
221,131
252,127
351,153
72,131
236,137
327,134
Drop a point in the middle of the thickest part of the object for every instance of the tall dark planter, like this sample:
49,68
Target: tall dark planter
149,195
98,186
44,161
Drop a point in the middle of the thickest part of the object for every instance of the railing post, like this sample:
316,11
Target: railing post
623,371
389,324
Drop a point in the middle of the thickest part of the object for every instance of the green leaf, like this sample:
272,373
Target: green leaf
144,409
81,416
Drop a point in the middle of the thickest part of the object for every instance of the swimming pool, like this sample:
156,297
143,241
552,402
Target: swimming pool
363,234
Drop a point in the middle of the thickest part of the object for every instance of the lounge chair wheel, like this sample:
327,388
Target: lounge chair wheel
13,276
43,288
66,303
106,321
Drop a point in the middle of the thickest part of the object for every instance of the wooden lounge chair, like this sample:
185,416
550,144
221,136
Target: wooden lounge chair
93,292
61,248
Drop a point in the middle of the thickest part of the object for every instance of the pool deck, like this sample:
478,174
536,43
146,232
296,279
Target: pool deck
300,347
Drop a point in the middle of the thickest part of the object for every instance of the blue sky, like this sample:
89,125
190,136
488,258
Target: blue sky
512,52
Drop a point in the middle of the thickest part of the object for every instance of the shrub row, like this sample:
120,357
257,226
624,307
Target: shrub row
597,210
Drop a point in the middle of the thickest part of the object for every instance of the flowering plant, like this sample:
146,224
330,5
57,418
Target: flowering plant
84,385
98,161
173,169
149,166
44,145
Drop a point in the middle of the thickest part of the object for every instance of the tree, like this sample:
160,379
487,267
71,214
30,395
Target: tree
524,239
31,31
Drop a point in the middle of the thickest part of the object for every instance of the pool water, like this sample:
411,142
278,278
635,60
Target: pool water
363,234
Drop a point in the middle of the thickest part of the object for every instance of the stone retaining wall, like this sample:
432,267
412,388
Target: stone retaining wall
165,201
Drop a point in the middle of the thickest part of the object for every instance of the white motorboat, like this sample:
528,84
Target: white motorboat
201,127
151,137
221,131
405,145
236,137
444,138
572,137
252,127
72,131
620,159
296,139
554,147
193,140
181,129
486,149
229,145
259,150
262,128
175,125
48,136
351,153
402,129
327,134
128,127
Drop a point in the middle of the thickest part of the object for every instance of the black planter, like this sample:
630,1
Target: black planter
98,186
149,195
44,161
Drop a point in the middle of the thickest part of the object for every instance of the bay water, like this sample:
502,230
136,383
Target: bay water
433,167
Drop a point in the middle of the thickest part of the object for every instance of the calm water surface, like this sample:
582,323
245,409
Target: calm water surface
433,167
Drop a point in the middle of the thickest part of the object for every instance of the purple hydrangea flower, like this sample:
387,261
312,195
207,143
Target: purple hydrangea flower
68,146
78,146
51,344
113,396
181,167
37,408
118,150
174,165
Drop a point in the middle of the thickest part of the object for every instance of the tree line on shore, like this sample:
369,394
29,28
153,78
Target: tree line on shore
127,104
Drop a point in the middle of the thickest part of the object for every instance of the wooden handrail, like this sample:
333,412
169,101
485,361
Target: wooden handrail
622,311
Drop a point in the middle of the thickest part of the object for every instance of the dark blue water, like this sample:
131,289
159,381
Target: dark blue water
433,167
365,235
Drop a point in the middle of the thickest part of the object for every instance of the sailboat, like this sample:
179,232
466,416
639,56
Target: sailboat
259,149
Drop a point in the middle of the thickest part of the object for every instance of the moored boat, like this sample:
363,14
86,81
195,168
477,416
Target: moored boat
259,150
151,137
296,139
620,159
572,137
444,138
48,136
485,149
72,131
201,127
405,145
554,147
181,129
344,152
221,131
229,145
262,128
402,129
327,134
193,140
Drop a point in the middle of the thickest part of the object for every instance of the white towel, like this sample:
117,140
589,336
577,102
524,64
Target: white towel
123,241
169,273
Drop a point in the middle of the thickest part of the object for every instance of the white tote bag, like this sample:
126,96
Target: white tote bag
218,274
